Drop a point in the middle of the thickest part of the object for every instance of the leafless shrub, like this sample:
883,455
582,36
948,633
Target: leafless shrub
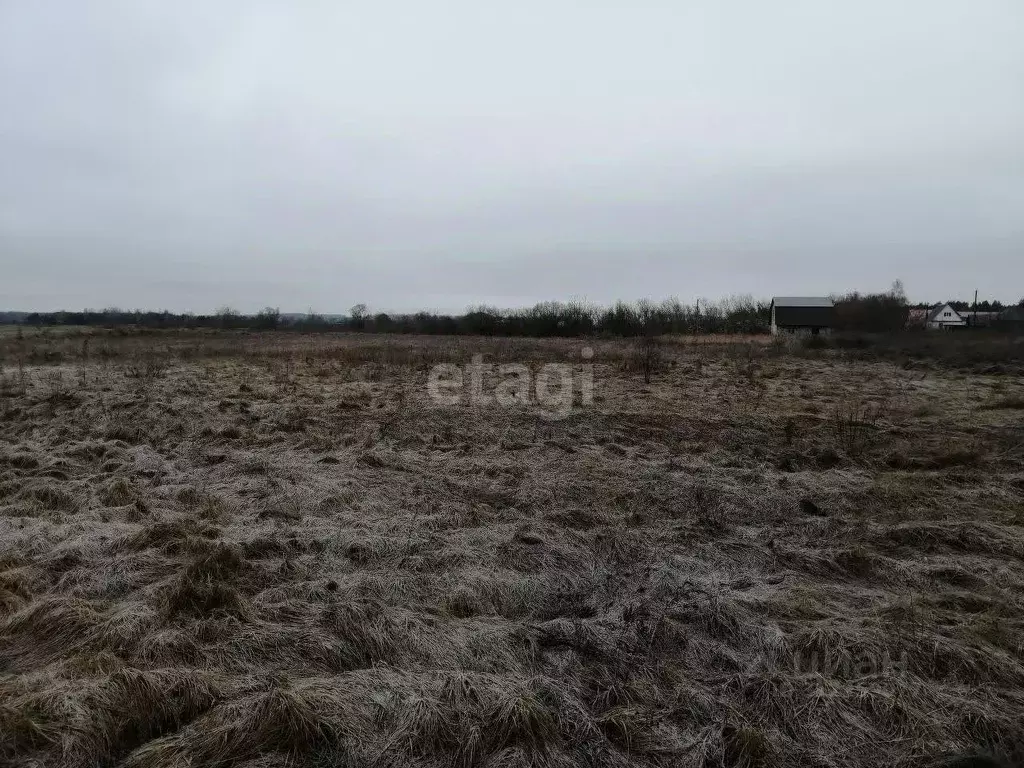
57,390
147,367
855,425
647,357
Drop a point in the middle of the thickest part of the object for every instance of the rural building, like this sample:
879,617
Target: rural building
1012,318
917,318
1014,314
802,315
942,317
980,319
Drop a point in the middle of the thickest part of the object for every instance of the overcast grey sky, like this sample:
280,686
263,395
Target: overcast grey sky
413,154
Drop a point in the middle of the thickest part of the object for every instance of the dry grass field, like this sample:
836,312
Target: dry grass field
269,550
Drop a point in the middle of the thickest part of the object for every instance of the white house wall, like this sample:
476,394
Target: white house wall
941,322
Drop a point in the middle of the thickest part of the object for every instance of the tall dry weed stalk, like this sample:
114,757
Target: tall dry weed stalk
145,370
148,367
856,425
648,357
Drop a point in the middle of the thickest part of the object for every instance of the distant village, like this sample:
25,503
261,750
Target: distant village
819,315
961,315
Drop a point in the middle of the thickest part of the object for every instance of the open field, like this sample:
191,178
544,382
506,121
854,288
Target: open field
268,550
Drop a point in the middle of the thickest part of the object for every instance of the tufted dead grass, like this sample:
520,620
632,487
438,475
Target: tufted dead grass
268,550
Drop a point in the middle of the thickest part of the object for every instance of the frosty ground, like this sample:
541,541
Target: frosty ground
278,549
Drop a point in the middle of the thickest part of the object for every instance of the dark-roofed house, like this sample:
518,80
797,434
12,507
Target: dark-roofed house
1011,319
810,315
979,318
1013,314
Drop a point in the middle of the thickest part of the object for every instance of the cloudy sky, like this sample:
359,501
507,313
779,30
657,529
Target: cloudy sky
410,154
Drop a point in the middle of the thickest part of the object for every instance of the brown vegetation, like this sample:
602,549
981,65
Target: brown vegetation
268,549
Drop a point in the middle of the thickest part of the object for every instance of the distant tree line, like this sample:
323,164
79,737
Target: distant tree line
872,312
965,306
266,319
854,312
642,318
741,314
